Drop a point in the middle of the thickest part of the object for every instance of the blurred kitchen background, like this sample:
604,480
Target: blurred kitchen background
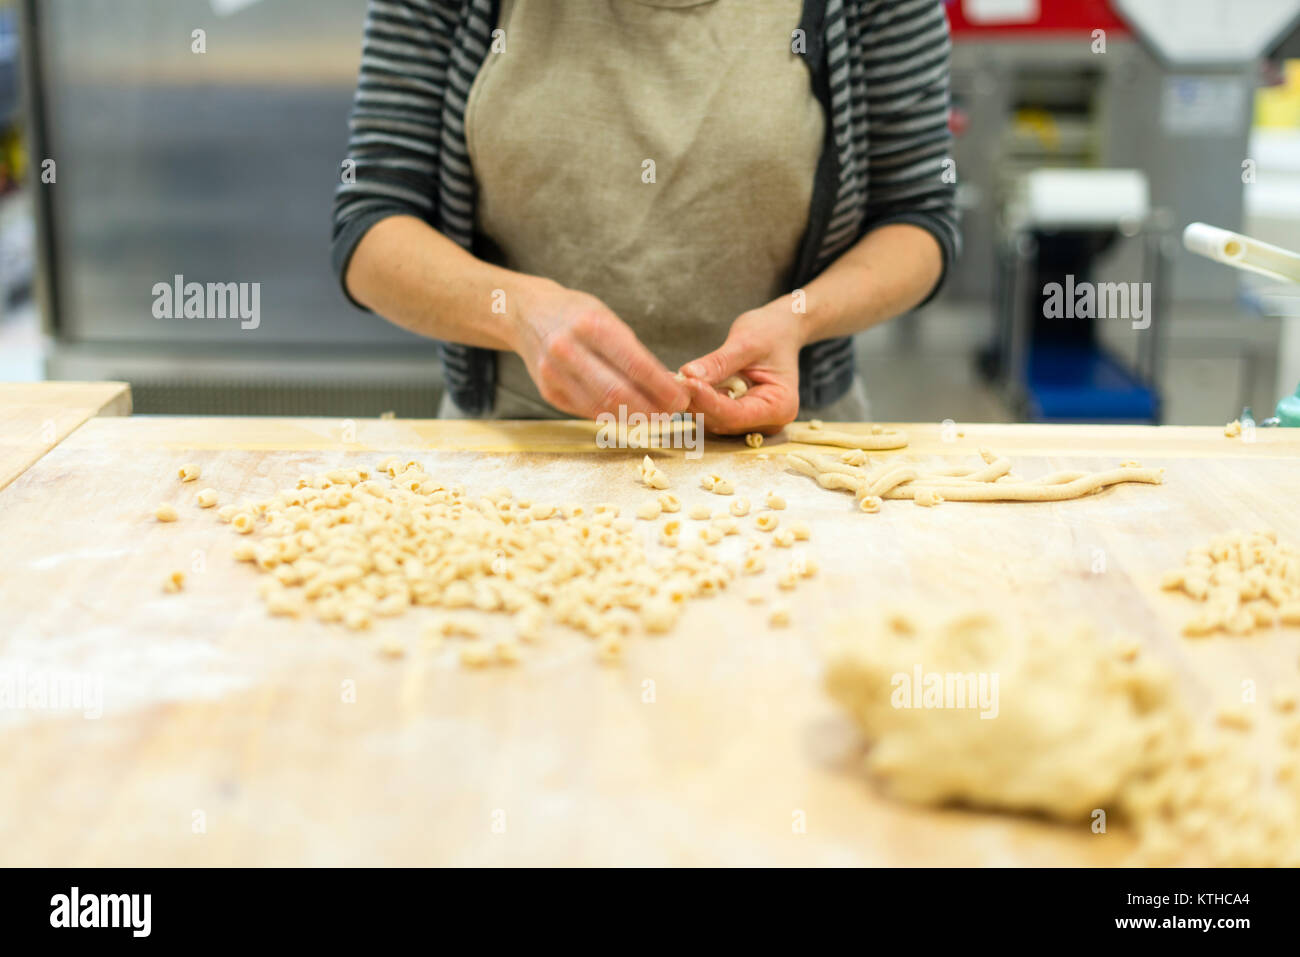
1088,134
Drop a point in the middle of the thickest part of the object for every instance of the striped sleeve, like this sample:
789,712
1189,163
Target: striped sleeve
393,148
910,174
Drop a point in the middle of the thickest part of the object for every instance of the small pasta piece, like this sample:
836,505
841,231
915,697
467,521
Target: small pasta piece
804,567
356,618
1173,579
329,609
610,650
870,504
460,626
206,498
766,522
774,501
711,534
709,481
475,656
800,530
287,575
723,487
1235,717
506,652
242,523
925,497
699,512
740,507
227,512
529,624
787,580
670,502
649,510
753,564
784,538
174,582
282,603
165,513
188,472
458,594
726,525
657,480
754,440
659,616
735,386
244,552
392,648
779,616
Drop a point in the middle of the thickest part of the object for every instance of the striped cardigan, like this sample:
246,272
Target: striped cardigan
879,68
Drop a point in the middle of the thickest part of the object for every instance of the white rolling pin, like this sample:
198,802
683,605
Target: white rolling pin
1240,251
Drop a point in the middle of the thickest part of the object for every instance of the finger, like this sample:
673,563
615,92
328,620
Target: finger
618,345
563,399
760,409
728,359
601,388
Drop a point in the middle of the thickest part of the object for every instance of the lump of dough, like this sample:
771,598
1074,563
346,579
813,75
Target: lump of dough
1058,725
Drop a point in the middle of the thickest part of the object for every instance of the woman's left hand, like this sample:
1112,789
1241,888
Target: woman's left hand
763,348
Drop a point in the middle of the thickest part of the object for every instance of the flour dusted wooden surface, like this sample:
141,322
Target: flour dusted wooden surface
36,416
712,745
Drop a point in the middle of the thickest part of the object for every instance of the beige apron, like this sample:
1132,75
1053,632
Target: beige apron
659,155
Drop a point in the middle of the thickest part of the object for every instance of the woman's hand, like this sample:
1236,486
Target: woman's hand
585,360
763,348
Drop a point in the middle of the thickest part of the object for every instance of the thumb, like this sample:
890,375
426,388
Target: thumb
733,355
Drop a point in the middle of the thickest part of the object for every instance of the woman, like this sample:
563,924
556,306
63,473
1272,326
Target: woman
580,199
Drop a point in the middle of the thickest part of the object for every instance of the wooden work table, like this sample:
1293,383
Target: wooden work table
226,738
36,416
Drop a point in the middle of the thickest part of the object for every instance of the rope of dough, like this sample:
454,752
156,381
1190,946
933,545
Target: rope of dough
988,484
895,477
827,463
870,482
1029,492
876,442
835,481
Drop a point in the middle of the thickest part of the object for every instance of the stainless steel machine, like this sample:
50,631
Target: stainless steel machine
1160,90
211,156
1108,84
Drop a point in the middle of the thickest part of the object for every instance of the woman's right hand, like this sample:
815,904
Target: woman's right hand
585,360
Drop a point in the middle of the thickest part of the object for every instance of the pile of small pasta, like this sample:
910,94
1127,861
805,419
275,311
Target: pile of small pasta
1246,580
346,546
